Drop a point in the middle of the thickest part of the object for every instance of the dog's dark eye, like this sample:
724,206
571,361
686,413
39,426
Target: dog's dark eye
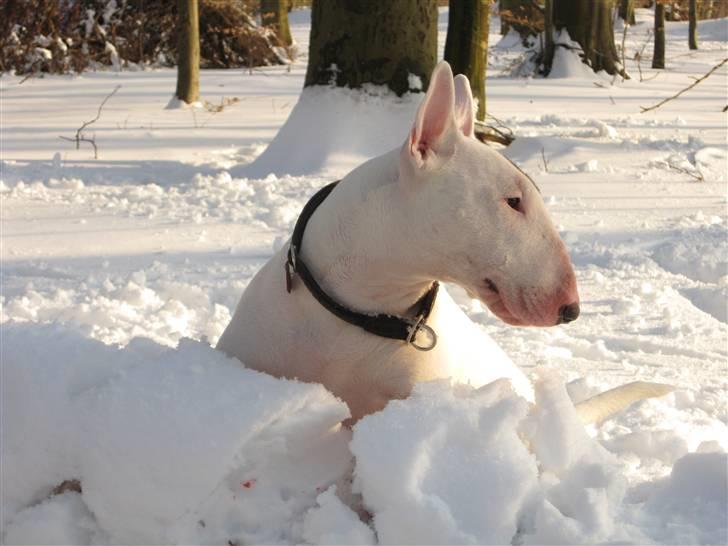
514,203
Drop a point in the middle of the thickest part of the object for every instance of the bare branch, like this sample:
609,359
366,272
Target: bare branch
78,142
491,133
80,137
543,157
624,65
697,175
98,114
639,55
688,88
29,75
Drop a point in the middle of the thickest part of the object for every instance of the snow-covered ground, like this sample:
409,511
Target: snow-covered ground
119,273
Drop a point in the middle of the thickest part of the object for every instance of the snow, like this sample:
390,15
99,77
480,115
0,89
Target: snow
346,127
179,436
459,474
118,275
332,522
63,519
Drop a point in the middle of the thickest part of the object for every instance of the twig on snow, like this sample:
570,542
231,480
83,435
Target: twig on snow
80,137
29,75
697,175
688,88
543,158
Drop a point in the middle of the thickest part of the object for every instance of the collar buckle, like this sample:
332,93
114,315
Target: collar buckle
418,325
290,267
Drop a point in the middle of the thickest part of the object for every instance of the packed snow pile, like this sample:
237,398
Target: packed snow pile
170,445
341,128
187,446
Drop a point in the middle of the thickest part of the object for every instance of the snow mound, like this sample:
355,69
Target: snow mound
567,63
474,466
332,522
186,446
700,254
712,163
63,519
424,490
694,499
182,445
713,301
332,130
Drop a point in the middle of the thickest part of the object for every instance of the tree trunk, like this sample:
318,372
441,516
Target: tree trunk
504,7
589,22
547,57
466,45
188,51
626,11
693,25
274,14
383,42
658,57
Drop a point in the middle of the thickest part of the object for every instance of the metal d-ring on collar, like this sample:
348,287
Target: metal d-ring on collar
380,324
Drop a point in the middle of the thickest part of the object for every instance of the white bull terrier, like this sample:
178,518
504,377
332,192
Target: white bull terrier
443,207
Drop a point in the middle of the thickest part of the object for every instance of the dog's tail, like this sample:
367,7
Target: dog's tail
604,405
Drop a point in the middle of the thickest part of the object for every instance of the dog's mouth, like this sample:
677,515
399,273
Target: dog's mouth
490,285
489,294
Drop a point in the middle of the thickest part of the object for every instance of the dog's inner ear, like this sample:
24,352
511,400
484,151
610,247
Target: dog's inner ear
434,118
464,107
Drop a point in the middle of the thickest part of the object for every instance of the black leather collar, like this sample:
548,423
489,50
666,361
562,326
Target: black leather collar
380,324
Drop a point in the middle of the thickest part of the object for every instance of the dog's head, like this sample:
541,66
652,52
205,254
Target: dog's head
477,219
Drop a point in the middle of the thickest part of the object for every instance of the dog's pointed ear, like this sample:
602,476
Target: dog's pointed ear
434,119
464,107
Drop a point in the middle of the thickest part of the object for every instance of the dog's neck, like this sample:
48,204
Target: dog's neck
356,243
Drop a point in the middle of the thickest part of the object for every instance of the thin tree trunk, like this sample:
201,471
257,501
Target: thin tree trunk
274,14
589,22
626,11
503,6
383,42
188,51
693,25
547,58
466,45
658,57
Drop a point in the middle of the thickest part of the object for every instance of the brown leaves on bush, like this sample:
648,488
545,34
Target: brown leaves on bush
63,37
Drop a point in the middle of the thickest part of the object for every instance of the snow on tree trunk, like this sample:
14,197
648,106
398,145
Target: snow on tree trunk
693,25
658,57
589,22
466,46
274,14
188,51
373,41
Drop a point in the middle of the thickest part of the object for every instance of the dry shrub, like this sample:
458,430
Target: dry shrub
61,36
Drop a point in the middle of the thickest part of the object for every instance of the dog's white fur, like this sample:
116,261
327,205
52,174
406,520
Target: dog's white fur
435,209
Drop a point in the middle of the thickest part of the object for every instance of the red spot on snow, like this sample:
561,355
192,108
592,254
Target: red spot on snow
248,483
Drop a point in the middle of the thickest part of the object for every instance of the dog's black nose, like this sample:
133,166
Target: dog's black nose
568,313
